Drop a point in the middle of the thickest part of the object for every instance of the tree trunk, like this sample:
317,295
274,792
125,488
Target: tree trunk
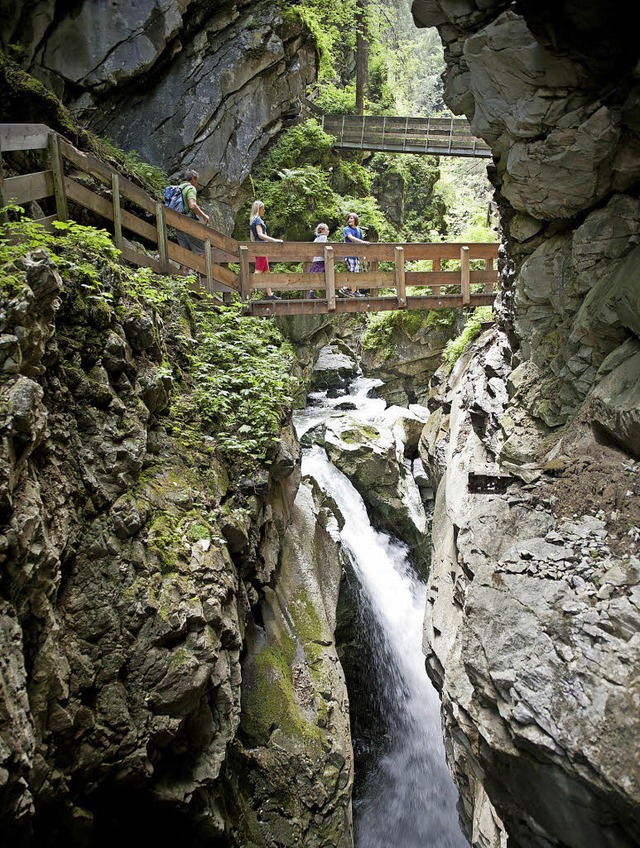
362,55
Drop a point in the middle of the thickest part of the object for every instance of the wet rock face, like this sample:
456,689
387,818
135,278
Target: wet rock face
532,615
184,84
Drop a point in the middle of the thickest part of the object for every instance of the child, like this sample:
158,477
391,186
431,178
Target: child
317,264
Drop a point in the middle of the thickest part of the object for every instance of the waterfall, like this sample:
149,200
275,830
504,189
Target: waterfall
408,798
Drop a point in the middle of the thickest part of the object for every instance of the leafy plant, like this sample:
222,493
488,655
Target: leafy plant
472,327
243,385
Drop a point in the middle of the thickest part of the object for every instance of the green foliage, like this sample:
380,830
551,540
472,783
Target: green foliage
465,192
336,100
455,347
243,387
306,142
298,200
351,178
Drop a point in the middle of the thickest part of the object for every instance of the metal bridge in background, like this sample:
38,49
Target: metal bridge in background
430,136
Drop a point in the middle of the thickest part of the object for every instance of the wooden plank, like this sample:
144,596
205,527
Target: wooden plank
195,228
245,284
464,274
221,276
207,262
28,187
117,212
3,215
383,252
103,207
23,137
401,292
138,258
267,308
96,168
57,169
329,278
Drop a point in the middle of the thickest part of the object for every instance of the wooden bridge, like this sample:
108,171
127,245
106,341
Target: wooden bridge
449,275
432,136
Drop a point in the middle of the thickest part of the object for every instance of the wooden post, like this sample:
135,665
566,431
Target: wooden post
330,278
3,215
245,285
401,291
117,212
373,268
207,260
163,247
58,177
464,275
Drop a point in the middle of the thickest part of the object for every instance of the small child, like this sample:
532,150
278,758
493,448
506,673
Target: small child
317,263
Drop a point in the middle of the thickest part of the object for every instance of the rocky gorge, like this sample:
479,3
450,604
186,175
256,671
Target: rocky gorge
169,661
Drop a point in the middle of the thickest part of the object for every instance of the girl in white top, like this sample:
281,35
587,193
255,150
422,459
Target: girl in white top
317,263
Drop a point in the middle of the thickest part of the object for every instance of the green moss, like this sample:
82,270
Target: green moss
164,538
472,328
356,435
25,99
196,532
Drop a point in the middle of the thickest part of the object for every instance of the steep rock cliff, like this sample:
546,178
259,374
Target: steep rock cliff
533,616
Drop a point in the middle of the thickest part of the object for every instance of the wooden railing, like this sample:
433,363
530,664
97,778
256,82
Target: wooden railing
455,275
433,136
131,211
458,275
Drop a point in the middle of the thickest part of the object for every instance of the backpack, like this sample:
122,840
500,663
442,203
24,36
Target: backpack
173,198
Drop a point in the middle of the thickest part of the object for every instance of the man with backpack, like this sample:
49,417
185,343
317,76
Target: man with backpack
189,195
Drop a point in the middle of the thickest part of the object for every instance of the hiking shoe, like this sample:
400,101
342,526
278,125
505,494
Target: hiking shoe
272,297
312,295
344,292
357,294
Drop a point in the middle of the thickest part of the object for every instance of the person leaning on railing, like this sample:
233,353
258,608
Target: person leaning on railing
190,201
352,233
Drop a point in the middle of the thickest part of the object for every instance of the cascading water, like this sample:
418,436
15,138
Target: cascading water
407,799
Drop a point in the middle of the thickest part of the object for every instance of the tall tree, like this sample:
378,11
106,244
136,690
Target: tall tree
362,54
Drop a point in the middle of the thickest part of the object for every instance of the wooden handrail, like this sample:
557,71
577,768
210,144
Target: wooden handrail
470,278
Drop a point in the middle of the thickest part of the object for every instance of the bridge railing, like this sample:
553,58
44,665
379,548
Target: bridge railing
138,220
460,274
434,136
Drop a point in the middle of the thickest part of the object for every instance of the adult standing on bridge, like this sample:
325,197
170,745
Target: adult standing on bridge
258,232
353,234
191,208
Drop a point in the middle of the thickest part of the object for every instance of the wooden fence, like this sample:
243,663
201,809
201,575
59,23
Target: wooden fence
129,209
454,274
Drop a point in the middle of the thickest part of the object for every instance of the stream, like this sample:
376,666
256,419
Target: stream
406,797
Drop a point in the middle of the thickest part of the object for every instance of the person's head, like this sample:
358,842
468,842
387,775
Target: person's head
257,209
352,219
191,176
322,228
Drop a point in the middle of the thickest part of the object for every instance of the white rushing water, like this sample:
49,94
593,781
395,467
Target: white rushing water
408,799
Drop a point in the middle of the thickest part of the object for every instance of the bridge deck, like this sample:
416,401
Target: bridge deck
431,136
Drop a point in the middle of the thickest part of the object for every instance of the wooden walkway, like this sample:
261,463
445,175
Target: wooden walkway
432,136
449,275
